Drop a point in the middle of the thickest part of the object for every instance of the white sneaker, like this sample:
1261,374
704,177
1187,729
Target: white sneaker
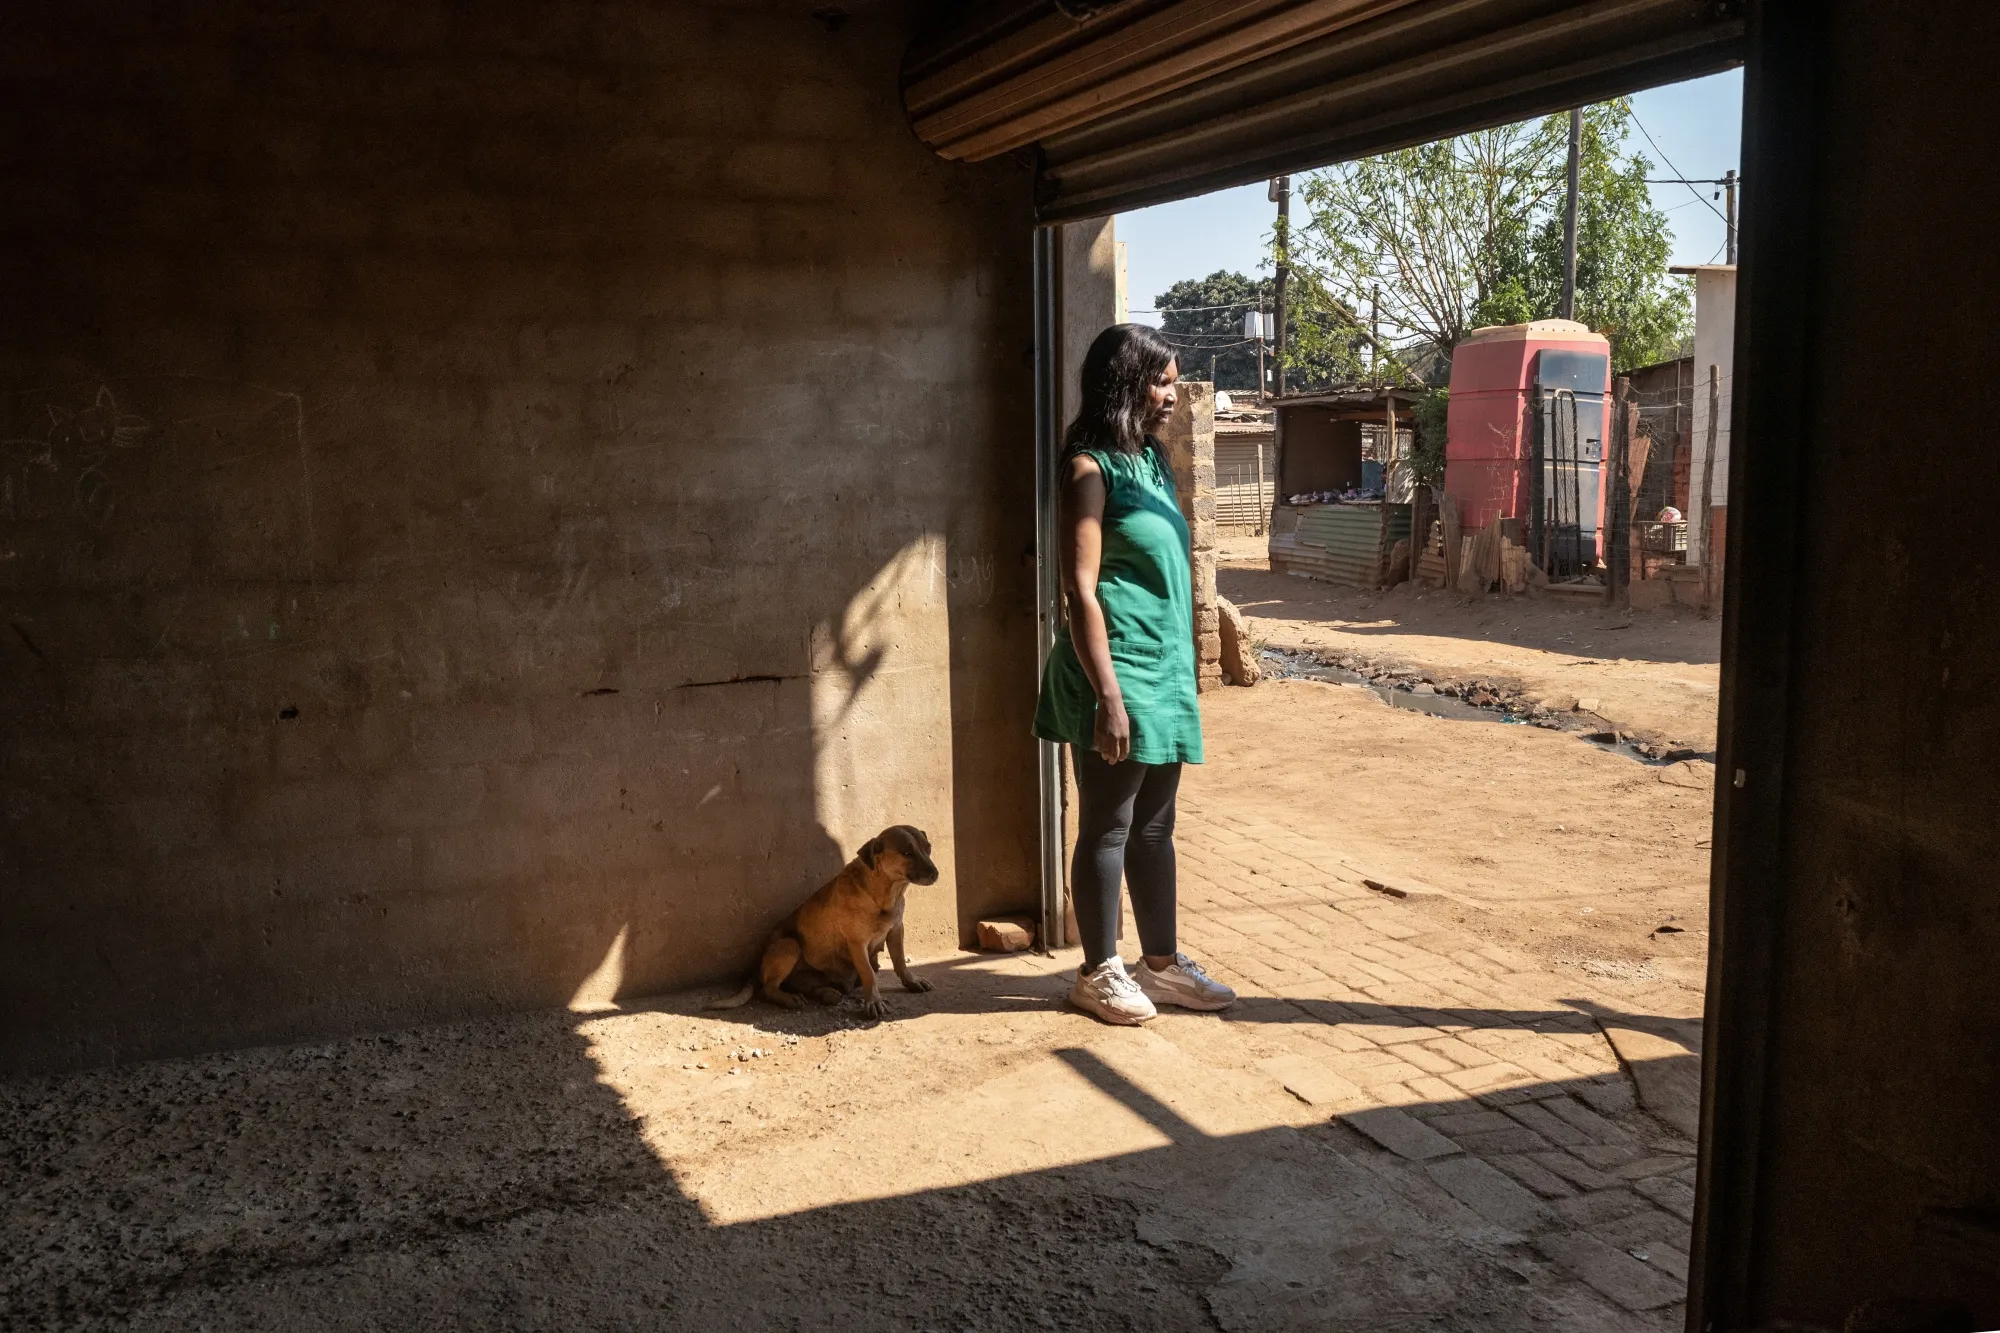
1109,993
1183,983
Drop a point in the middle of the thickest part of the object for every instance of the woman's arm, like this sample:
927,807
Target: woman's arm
1082,550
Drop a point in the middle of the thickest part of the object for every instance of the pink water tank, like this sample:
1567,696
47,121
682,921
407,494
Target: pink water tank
1495,375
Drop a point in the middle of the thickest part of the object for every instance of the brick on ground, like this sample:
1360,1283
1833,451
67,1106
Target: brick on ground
1599,1206
1436,1091
1665,1165
1578,1173
1634,1285
1607,1093
1676,1196
1489,1076
1402,1134
1461,1055
1312,1082
1374,1074
1593,1126
1488,1191
1006,934
1642,1230
1513,1139
1606,1156
1536,1117
1535,1176
1669,1259
1546,1065
1458,1123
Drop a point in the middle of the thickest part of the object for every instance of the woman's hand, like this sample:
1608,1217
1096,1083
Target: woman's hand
1111,737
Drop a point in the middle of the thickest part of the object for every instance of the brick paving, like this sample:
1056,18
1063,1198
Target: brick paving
1448,1053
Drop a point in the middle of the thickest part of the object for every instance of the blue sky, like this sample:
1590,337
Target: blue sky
1697,124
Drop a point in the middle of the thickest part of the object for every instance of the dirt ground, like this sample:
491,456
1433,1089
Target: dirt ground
1467,1107
1651,673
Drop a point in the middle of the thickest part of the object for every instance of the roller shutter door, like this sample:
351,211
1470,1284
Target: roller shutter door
1243,490
1136,102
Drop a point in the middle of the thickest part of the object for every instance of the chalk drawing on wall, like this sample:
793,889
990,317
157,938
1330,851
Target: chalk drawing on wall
78,443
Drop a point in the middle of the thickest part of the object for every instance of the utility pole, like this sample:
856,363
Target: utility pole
1375,334
1729,181
1257,326
1211,368
1281,194
1569,214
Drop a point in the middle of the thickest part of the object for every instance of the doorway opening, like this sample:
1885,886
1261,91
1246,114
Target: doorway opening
1463,547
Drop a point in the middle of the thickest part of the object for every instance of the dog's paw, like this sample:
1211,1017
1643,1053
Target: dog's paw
917,985
876,1008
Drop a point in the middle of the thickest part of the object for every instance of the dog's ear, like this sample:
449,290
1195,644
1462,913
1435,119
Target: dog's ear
869,851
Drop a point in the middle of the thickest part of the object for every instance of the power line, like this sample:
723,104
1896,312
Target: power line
1676,170
1185,309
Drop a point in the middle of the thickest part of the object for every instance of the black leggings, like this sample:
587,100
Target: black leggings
1125,826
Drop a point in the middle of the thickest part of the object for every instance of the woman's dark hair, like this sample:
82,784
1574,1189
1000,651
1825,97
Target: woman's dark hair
1123,363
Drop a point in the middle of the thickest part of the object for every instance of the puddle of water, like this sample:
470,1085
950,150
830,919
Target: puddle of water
1611,740
1306,666
1437,705
1303,667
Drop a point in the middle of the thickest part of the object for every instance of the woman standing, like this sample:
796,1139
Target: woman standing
1120,688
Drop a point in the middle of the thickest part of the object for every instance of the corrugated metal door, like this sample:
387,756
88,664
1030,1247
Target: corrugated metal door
1244,490
1137,102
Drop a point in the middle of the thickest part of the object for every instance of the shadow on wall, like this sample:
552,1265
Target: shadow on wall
489,1174
411,555
249,797
883,731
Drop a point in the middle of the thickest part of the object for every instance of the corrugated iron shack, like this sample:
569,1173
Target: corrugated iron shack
1342,499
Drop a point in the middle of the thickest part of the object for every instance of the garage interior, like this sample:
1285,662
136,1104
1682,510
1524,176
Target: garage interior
500,502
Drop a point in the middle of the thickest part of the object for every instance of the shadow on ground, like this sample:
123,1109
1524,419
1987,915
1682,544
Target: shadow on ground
483,1175
1519,622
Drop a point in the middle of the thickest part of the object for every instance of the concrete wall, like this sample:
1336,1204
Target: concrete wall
1091,292
1714,345
498,503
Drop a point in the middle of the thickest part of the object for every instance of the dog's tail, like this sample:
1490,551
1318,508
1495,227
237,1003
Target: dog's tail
736,1001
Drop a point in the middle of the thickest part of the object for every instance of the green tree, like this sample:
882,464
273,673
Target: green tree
1203,318
1427,457
1468,231
1623,289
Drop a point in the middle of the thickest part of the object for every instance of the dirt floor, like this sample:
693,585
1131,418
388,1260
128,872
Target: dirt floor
1456,1098
1651,673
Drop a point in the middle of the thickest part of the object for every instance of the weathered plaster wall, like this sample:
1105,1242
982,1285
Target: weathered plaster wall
498,502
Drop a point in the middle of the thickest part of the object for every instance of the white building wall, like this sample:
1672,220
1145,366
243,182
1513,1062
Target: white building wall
1714,345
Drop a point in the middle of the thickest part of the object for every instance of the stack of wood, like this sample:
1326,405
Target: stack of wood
1448,525
1491,557
1429,569
1517,570
1474,562
1479,561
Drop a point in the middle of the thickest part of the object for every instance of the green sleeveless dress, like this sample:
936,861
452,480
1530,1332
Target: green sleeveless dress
1146,587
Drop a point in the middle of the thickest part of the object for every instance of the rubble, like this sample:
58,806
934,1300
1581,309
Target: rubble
1240,665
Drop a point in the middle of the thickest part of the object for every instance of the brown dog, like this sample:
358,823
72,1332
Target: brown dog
837,935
